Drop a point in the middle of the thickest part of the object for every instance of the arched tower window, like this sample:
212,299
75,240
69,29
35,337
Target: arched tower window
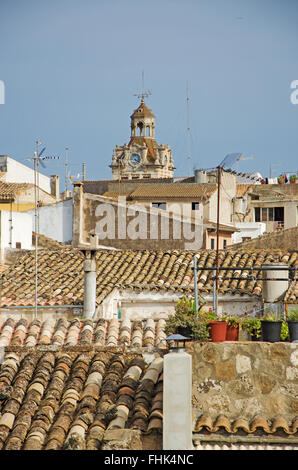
140,128
148,131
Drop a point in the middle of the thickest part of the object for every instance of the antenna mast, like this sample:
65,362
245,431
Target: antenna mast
144,93
66,170
38,158
188,131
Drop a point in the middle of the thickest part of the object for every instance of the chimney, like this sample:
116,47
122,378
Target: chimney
177,402
89,283
55,186
200,176
276,283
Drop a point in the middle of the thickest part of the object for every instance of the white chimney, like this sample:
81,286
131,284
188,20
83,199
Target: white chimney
274,286
177,405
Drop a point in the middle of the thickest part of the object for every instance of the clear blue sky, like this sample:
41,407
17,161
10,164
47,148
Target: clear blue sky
71,69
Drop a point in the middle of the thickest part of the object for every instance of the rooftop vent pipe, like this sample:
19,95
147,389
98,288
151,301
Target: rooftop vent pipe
276,283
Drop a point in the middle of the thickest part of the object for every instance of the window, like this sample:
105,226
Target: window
264,214
257,214
224,243
212,243
18,245
279,214
159,205
271,214
194,206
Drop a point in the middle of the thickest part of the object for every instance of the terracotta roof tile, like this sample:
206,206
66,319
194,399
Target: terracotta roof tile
62,332
11,189
61,276
173,190
259,423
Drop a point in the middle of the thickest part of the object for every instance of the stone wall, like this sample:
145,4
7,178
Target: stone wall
283,240
245,380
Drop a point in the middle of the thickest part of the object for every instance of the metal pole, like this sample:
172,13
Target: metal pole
214,291
195,284
217,233
66,171
36,225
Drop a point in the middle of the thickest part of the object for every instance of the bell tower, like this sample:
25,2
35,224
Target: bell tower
142,157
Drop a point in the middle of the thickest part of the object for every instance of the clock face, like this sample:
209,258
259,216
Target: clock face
135,159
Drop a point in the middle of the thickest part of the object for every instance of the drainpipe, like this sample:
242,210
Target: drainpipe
177,406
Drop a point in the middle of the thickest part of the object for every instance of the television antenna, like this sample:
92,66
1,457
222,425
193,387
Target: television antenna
241,158
38,159
226,164
188,131
145,93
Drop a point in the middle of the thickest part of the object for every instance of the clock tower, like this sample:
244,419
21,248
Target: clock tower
142,157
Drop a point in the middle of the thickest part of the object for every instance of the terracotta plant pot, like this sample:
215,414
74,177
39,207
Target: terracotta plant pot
232,333
218,331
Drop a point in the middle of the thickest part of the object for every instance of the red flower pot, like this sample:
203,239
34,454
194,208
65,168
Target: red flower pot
218,331
232,333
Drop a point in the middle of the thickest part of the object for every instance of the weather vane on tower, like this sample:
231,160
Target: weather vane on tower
145,93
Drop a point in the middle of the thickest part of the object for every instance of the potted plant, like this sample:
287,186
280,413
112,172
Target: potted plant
292,321
284,333
217,326
187,321
293,179
233,327
280,180
271,327
253,327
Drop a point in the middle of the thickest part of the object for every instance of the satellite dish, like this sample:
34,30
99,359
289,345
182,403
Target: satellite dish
229,160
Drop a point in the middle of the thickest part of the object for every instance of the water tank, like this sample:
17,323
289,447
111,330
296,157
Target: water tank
273,288
200,176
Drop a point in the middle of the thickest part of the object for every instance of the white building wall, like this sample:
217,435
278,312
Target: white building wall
128,304
17,172
21,231
248,229
55,220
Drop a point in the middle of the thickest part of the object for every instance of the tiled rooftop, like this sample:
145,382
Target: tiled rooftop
222,423
61,276
8,190
66,399
77,332
174,190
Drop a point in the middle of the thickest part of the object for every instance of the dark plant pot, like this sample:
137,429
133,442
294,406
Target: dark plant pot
184,331
271,331
293,330
232,333
218,331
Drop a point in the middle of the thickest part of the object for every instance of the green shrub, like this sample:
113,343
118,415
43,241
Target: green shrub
293,315
186,317
252,326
